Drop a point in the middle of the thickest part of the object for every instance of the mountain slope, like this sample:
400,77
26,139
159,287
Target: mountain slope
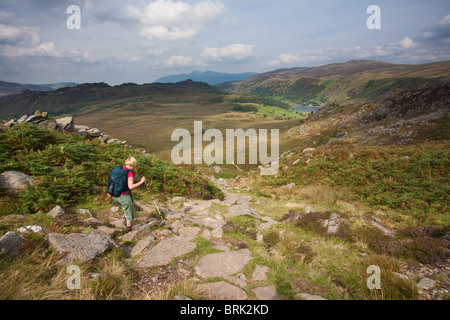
99,95
357,80
209,77
396,118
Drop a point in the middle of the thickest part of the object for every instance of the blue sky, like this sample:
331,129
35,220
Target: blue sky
142,40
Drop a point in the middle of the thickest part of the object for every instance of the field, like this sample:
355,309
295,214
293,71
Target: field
150,124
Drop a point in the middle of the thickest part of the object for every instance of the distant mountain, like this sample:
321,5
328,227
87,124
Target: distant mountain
59,85
11,87
93,96
7,88
357,80
210,77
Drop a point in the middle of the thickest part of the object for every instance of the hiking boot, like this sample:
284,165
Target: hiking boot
128,229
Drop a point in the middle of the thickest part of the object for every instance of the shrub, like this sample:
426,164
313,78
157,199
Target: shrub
69,169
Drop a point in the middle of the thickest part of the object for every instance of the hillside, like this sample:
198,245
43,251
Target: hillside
357,80
400,117
76,99
210,77
310,233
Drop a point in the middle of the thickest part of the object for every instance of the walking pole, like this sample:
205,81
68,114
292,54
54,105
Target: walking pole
161,214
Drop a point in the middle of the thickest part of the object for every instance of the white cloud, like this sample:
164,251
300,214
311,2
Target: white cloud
285,59
232,52
179,62
19,41
445,22
407,43
169,20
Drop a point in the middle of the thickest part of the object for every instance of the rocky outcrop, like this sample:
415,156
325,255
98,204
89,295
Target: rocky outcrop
65,124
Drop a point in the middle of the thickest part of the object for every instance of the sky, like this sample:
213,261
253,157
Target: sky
139,41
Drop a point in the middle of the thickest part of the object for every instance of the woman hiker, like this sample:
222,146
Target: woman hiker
126,200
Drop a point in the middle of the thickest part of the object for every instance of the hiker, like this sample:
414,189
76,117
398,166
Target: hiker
125,200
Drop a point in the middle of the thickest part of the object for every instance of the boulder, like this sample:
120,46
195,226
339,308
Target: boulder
14,181
166,250
142,245
222,291
56,212
35,118
426,284
12,243
240,210
65,124
80,247
260,273
48,123
81,130
22,119
11,123
221,264
94,133
266,293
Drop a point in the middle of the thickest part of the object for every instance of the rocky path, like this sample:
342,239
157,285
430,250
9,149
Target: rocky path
165,253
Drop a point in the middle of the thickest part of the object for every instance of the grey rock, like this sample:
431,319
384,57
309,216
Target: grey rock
288,186
143,207
240,210
217,233
12,243
307,296
65,124
334,223
260,273
81,130
213,223
383,229
266,293
56,212
189,230
426,284
22,119
142,245
221,264
140,231
80,247
309,209
35,119
179,199
14,181
93,133
108,231
166,250
48,123
222,291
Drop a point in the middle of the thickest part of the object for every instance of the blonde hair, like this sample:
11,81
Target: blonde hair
131,163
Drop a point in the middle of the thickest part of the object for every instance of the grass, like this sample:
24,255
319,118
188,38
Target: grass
412,180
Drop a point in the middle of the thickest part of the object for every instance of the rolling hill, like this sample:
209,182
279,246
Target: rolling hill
90,96
209,77
357,81
7,88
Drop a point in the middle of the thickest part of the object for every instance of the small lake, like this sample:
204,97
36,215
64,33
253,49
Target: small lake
306,109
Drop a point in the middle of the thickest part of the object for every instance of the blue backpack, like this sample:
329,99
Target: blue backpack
117,181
